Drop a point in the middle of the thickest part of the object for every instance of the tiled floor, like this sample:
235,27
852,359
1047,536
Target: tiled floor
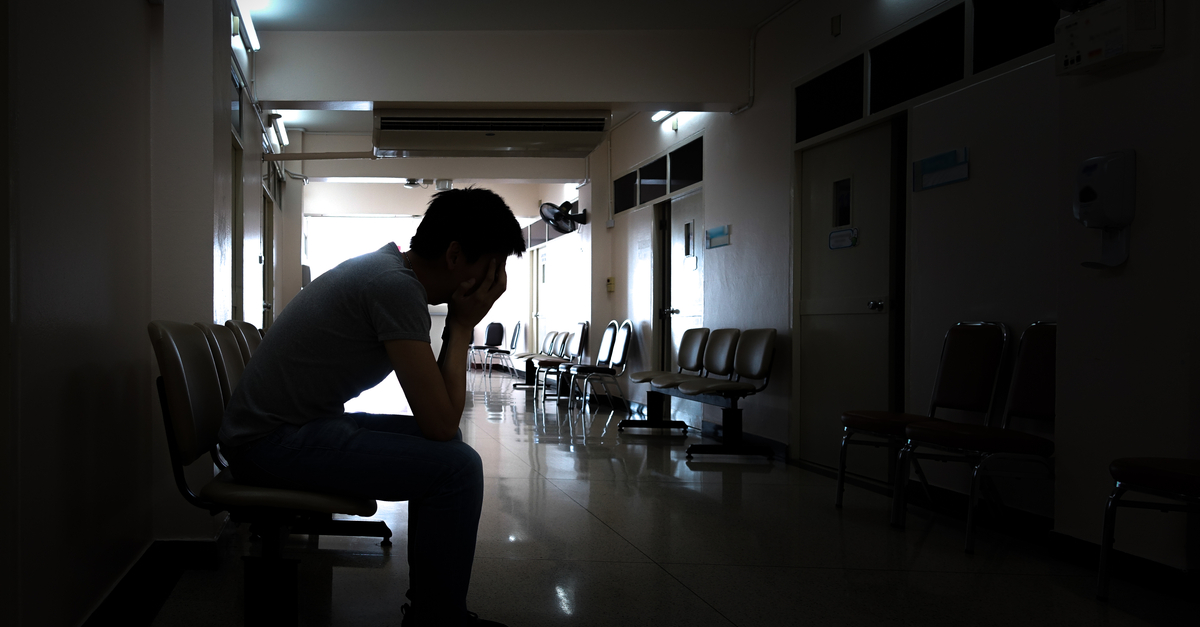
583,525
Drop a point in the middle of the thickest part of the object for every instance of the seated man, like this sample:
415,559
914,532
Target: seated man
351,327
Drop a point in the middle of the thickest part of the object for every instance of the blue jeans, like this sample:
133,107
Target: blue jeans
386,458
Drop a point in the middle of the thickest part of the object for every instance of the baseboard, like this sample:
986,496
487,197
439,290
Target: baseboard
713,431
1184,584
141,593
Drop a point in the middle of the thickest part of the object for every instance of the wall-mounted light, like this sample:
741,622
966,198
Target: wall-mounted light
244,8
661,115
280,129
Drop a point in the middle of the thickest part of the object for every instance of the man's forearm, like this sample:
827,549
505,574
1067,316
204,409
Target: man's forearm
452,361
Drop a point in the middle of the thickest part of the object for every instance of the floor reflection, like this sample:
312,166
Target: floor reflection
585,525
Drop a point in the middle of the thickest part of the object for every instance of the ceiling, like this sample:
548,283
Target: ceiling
516,15
488,15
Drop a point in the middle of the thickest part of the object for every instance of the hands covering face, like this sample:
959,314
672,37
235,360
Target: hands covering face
474,297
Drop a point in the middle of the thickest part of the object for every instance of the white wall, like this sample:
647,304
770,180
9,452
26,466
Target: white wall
1127,351
76,420
700,69
986,248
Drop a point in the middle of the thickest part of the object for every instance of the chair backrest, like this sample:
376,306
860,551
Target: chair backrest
620,354
719,352
549,343
577,342
190,392
1031,394
755,350
494,334
691,349
247,336
560,344
226,354
971,358
512,345
604,353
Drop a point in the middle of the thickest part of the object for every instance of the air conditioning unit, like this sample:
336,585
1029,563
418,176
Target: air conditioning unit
487,133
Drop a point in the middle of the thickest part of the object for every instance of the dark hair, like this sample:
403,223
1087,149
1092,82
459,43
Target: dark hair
476,218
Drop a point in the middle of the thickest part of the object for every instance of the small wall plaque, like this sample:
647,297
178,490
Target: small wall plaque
843,238
944,169
717,236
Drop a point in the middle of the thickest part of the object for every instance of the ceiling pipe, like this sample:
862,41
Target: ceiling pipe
753,41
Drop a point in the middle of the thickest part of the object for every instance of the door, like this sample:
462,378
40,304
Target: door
849,275
683,306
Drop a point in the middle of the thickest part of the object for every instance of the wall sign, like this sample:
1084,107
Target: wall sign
944,169
717,237
843,238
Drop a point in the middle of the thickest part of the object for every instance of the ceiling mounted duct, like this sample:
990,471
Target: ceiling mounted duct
487,133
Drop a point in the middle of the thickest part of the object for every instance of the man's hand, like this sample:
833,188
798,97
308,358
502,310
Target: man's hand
474,298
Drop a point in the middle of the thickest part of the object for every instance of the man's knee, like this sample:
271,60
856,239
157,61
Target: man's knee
469,465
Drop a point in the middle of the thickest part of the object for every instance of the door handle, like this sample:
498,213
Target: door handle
668,312
875,305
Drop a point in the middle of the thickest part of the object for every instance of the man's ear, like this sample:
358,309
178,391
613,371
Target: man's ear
454,256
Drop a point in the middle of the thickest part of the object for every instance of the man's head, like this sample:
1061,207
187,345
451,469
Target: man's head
476,218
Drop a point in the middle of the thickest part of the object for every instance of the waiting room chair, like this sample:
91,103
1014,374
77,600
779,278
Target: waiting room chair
504,356
550,345
545,367
227,354
719,349
1174,479
493,337
1031,397
605,373
972,353
247,336
690,357
603,354
189,391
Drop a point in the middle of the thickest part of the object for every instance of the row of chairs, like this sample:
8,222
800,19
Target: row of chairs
718,367
200,366
971,362
973,354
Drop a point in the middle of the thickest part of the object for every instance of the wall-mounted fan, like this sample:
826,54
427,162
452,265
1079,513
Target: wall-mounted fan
560,216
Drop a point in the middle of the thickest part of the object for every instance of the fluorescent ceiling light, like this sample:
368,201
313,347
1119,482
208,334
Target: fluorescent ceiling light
660,116
358,179
244,8
276,122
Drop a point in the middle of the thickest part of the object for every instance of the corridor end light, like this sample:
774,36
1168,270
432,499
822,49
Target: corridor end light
244,8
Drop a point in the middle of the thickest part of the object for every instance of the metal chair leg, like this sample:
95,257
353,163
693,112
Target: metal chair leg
972,506
901,483
841,476
1106,542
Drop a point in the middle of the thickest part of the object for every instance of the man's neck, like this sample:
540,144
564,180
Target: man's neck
432,277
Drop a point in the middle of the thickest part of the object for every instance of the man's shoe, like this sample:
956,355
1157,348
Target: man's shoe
470,619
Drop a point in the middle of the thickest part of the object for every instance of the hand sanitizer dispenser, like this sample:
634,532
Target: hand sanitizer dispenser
1105,195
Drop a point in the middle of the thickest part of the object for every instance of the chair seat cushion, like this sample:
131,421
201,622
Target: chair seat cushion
882,422
673,379
548,362
718,387
1169,474
225,491
585,370
972,437
646,376
498,350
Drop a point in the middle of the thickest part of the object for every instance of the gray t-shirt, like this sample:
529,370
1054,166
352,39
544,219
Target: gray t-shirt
326,347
